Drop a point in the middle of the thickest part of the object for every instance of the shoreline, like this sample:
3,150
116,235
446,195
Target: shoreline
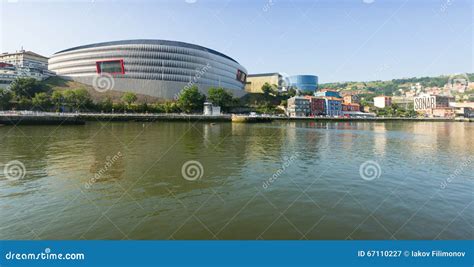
33,118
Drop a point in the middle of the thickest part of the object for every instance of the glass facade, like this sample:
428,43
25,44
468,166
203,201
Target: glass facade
111,66
304,82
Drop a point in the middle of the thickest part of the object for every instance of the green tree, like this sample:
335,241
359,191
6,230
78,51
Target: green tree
5,97
143,107
411,113
26,87
220,97
129,98
57,99
24,103
106,104
82,99
75,99
266,108
191,100
169,107
68,98
41,101
291,92
275,91
119,107
268,89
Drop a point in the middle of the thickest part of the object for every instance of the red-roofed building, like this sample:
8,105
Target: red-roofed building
350,107
317,105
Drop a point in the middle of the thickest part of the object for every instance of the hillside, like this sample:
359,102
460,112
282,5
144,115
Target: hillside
56,83
400,86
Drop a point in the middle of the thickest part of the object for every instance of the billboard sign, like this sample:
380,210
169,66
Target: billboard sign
424,102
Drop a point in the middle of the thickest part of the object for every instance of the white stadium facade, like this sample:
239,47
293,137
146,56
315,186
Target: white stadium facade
157,68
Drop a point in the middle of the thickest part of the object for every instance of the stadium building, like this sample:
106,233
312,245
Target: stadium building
157,68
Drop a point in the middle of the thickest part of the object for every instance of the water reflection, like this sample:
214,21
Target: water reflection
134,177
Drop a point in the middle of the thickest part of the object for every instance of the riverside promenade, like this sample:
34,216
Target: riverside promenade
50,118
39,118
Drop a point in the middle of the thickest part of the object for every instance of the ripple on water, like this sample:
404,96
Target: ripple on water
145,195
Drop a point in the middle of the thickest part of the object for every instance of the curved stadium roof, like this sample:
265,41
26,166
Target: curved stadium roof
149,41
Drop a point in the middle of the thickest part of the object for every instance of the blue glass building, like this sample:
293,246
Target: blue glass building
304,82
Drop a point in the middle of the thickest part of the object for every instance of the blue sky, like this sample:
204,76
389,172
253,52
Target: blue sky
352,40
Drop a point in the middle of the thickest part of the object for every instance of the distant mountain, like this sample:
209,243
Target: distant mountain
397,86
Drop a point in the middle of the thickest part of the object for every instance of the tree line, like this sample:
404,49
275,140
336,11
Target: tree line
30,94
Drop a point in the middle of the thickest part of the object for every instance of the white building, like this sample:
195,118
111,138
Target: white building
382,101
211,110
298,106
25,59
464,109
22,64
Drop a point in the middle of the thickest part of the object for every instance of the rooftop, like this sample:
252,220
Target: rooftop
263,74
328,90
350,104
333,98
148,41
23,52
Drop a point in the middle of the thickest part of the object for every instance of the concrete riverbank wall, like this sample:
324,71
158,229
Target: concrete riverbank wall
31,118
40,120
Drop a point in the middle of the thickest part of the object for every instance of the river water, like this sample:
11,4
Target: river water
281,180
